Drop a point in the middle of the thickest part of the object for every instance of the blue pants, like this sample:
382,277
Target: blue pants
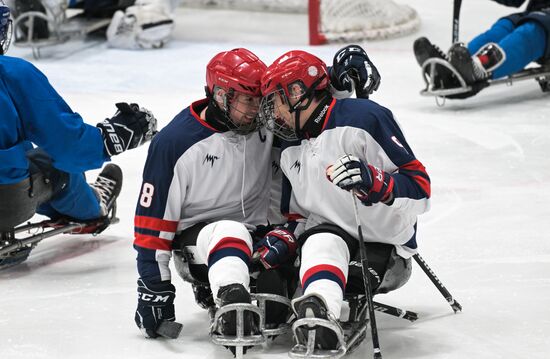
522,44
72,197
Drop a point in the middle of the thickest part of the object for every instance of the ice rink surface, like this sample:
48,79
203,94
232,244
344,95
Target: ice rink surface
486,235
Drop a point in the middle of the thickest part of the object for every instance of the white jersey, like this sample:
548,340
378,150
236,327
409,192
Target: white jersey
196,174
368,131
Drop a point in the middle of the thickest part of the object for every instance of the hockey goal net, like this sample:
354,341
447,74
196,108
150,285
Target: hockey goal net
334,20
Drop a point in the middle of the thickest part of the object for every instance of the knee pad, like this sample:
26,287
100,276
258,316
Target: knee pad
186,260
350,241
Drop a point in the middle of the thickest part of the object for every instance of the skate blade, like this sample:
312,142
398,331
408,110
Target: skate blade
428,74
261,300
307,349
240,340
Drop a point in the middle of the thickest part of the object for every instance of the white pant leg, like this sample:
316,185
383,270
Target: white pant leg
226,246
324,269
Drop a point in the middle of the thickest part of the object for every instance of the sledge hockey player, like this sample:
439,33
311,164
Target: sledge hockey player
49,179
512,43
135,24
360,148
205,195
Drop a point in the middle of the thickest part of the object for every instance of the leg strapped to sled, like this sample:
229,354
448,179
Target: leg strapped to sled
14,249
434,67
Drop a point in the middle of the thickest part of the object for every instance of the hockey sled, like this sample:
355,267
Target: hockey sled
354,329
15,245
60,25
463,90
257,309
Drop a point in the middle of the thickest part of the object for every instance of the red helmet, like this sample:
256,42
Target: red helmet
238,69
295,67
293,78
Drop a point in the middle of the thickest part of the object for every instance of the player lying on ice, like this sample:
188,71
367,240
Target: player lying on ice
49,179
205,198
334,152
502,52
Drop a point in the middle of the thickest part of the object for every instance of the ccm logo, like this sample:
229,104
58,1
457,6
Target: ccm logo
113,137
153,298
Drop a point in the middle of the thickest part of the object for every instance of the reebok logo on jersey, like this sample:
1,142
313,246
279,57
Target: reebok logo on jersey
210,159
296,165
321,114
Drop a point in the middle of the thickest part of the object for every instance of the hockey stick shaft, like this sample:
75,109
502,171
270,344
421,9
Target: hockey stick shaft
429,272
366,282
456,18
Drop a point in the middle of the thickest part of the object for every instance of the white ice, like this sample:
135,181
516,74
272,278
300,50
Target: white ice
486,236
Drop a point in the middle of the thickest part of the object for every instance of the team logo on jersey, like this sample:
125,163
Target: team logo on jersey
296,165
394,139
275,167
210,159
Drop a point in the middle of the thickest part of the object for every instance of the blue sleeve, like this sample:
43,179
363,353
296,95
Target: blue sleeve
49,122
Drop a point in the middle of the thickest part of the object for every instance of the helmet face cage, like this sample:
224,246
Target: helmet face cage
240,110
277,107
5,28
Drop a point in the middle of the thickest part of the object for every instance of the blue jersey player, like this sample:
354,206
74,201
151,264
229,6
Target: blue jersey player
507,47
45,147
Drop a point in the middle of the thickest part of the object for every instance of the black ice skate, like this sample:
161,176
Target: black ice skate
236,321
107,187
443,77
471,71
316,331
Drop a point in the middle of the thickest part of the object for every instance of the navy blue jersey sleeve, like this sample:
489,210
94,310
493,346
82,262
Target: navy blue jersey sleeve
49,122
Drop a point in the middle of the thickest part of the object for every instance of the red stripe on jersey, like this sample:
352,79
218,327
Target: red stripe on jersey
292,216
423,182
324,267
155,224
152,242
232,242
197,116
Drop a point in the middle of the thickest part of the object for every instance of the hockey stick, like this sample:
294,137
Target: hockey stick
169,330
456,17
396,312
366,282
452,302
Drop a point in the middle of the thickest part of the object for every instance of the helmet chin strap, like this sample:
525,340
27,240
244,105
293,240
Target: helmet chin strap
215,116
300,105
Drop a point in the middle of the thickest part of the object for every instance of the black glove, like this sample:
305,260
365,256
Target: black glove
275,248
130,127
370,184
352,69
155,304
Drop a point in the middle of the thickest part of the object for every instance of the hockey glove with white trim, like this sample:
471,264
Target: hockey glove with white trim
276,247
370,184
130,127
352,69
155,304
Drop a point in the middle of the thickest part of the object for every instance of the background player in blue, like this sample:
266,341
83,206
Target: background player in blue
507,47
49,179
365,151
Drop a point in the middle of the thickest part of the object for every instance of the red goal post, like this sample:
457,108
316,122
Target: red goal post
334,20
